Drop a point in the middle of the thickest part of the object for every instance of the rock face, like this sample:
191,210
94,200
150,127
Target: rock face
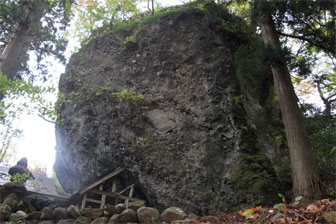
160,99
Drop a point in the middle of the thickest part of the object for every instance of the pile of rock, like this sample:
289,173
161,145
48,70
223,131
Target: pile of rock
17,208
136,213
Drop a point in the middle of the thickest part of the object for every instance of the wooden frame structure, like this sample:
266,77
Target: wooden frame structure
92,189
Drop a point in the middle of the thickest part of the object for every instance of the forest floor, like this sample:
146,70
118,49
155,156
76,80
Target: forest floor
280,214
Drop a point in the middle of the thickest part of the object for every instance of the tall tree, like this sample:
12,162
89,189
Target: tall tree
32,14
306,181
31,25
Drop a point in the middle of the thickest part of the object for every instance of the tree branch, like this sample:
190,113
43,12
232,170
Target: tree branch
309,41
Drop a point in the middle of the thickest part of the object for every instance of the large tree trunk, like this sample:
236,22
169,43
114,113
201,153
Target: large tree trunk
306,181
13,49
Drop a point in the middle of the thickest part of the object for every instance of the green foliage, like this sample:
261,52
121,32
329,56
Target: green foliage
91,16
46,37
128,95
322,133
252,68
332,150
310,21
20,178
106,92
14,221
27,94
59,188
160,14
280,206
255,172
283,199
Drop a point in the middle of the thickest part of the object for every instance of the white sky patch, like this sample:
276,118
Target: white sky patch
38,141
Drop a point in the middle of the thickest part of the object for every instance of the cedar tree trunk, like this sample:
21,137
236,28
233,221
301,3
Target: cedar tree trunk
306,181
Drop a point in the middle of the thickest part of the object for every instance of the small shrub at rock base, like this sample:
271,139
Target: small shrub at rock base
20,178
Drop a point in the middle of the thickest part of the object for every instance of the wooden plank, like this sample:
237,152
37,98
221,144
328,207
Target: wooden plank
103,197
48,195
131,192
84,201
127,188
102,180
114,195
93,200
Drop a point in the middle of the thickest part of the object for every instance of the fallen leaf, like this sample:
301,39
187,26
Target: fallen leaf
247,212
312,207
259,208
277,216
282,220
289,220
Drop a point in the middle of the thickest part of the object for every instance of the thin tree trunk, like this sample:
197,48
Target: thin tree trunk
305,177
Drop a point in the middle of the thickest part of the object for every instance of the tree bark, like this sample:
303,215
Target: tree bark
306,181
13,49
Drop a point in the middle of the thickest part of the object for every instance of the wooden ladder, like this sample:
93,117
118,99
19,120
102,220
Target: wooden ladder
92,189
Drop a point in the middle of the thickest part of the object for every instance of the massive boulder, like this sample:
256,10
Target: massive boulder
161,98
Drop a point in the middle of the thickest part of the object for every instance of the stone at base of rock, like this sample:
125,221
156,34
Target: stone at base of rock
46,214
329,217
5,212
135,205
114,219
101,220
16,188
66,221
83,220
60,214
120,208
172,214
148,215
74,211
128,215
110,210
19,215
92,213
34,216
46,222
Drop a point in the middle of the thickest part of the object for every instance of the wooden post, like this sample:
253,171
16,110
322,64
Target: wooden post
130,195
114,185
114,188
84,201
103,197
